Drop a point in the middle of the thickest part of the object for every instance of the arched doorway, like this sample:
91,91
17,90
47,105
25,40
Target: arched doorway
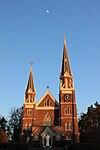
47,137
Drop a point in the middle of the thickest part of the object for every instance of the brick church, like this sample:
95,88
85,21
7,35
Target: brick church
48,120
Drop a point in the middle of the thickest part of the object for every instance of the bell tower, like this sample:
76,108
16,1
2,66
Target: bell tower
68,110
29,104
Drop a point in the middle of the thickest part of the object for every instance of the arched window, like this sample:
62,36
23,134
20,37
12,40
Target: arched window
30,125
47,103
44,103
65,111
70,126
29,112
31,99
66,126
26,126
68,111
47,120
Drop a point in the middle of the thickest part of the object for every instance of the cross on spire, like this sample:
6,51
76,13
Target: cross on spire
47,87
31,63
65,37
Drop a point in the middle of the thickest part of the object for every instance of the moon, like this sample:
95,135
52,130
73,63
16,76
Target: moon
47,11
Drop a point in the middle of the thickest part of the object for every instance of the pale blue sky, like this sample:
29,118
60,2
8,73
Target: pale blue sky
28,33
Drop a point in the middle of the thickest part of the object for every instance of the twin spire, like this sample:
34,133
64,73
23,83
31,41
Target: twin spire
64,71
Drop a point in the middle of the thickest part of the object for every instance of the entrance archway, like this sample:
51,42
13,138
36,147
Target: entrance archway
47,137
47,141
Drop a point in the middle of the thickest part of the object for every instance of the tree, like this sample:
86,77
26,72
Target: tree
89,124
15,123
3,123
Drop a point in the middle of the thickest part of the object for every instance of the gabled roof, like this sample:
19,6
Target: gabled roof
47,130
42,98
38,129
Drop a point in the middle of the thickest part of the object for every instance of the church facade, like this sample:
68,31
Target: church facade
49,121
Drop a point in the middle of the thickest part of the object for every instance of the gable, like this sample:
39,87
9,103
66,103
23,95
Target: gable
47,101
46,131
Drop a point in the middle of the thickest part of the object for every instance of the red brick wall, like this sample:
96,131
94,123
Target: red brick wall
40,114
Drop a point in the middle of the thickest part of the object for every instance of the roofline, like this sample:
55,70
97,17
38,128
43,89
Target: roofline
44,97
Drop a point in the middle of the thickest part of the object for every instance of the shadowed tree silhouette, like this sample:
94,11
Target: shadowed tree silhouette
15,123
89,124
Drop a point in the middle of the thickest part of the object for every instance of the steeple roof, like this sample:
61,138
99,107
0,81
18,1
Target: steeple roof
30,84
65,61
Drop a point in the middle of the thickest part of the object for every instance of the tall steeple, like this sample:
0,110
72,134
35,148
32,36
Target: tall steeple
66,75
68,111
29,103
30,84
30,90
65,61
